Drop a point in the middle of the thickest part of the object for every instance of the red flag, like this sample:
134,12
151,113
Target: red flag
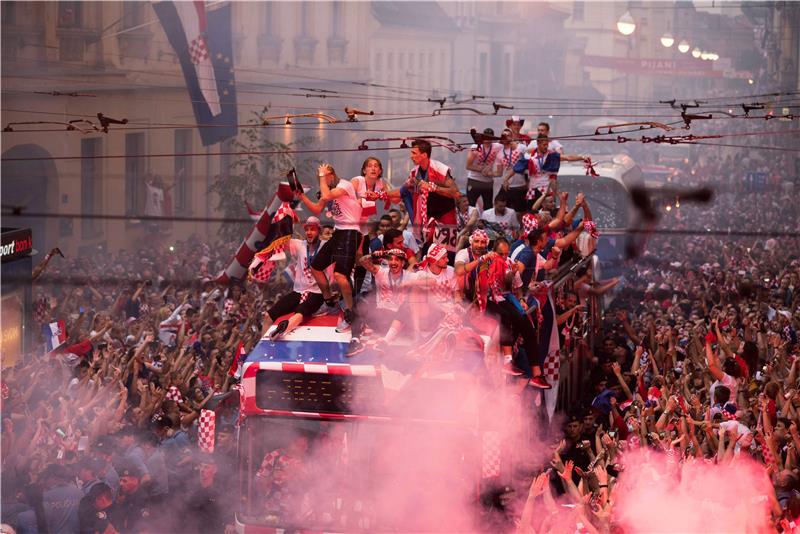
238,359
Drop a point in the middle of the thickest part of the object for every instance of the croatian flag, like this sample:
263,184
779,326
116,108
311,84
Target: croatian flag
55,334
238,360
203,43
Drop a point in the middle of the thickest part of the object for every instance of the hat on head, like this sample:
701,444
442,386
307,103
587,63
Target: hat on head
127,468
312,221
488,131
515,118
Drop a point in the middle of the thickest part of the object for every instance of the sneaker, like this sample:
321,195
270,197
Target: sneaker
279,330
355,347
510,369
539,382
345,322
333,300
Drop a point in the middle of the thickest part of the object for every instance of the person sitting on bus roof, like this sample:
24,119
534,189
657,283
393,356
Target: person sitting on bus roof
306,297
391,306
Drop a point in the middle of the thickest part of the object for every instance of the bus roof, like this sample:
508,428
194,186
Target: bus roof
307,374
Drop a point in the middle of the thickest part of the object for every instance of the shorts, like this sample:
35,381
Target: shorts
516,199
340,249
290,303
380,319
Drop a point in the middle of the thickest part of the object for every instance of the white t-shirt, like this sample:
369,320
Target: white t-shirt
507,221
369,208
154,203
301,266
463,219
439,289
484,157
345,210
462,256
555,146
391,292
508,157
729,382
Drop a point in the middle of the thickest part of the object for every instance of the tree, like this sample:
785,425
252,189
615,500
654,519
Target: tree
253,176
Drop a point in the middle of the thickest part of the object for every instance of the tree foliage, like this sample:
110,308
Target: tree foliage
253,176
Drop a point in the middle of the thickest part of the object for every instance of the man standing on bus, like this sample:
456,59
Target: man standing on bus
543,166
430,192
345,209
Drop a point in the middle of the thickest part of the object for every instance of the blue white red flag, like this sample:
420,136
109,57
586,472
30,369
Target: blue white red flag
203,44
55,334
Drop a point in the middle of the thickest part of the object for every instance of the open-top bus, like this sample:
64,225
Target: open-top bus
379,442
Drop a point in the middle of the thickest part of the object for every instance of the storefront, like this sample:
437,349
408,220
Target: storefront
16,265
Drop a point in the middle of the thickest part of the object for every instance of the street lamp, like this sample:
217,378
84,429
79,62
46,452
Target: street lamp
683,47
667,40
696,53
626,25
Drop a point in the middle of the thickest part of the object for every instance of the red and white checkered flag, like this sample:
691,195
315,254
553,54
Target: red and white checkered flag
490,466
198,50
206,430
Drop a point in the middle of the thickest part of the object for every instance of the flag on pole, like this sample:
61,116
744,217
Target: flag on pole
238,361
267,239
55,334
253,213
206,430
203,44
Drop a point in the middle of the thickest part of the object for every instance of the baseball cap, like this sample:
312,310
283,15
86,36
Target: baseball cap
488,131
312,221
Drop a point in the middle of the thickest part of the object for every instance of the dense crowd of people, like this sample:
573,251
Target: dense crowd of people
695,358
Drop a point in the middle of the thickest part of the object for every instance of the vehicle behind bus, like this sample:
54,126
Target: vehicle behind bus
609,200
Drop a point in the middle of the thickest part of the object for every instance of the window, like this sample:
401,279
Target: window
91,187
9,13
483,62
378,61
132,13
305,20
421,62
337,20
390,61
401,63
134,173
577,10
69,14
270,17
183,170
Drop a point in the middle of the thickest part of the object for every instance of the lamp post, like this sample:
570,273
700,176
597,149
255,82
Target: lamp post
626,25
683,46
667,40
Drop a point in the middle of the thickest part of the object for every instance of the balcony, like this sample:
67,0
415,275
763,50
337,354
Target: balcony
337,48
135,44
304,48
269,48
72,42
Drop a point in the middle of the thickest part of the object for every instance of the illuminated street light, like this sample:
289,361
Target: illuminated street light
667,40
750,81
683,47
626,25
713,56
696,53
704,56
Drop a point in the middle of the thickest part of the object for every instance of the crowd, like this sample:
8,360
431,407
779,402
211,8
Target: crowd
695,357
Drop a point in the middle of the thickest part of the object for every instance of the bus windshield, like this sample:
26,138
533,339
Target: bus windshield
607,198
356,475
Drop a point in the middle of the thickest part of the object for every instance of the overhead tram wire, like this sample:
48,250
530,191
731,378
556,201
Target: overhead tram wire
332,150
